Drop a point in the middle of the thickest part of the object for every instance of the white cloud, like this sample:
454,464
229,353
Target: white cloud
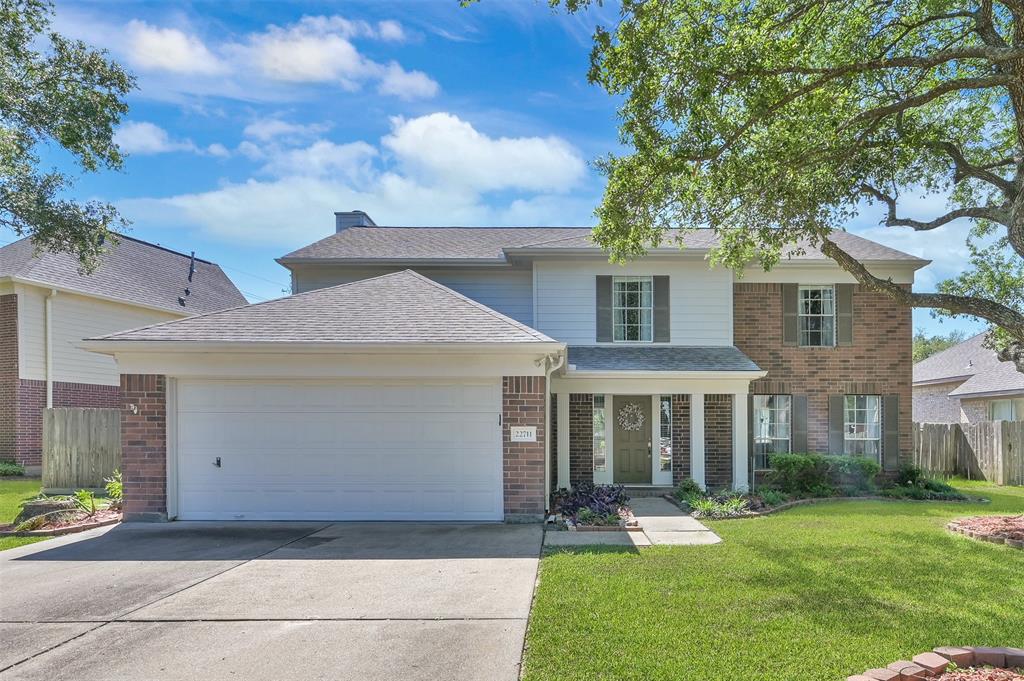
440,147
139,137
169,49
406,84
391,30
266,129
407,185
217,149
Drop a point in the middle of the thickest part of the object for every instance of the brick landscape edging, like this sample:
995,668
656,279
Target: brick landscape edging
937,661
955,526
819,500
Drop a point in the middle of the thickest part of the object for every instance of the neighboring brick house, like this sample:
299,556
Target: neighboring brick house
511,362
965,384
47,307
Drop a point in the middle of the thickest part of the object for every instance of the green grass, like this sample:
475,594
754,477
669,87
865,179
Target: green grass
12,493
816,592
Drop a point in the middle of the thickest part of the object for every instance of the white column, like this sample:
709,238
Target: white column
740,445
563,440
697,438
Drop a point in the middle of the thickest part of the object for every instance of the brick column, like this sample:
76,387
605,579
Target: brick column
581,437
8,375
718,441
144,446
523,462
680,438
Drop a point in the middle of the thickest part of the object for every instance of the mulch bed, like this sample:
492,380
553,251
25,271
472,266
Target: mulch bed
998,529
67,524
982,674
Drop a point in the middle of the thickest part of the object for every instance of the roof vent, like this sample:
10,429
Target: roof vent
352,218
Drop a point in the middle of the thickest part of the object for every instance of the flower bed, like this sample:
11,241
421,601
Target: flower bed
954,664
66,523
594,508
998,529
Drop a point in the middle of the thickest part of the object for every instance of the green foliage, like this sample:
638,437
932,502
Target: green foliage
11,468
586,516
687,489
853,473
86,501
718,507
773,497
58,93
912,483
926,346
818,475
115,489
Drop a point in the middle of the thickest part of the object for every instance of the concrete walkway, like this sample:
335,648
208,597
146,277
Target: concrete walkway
662,522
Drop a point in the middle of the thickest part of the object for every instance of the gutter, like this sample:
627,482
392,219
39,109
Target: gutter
113,345
748,374
48,344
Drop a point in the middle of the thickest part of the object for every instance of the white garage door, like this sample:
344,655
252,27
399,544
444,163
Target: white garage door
293,450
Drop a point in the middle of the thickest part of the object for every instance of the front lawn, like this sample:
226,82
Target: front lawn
13,491
816,592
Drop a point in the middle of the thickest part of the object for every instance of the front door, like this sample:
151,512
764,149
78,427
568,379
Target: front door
632,438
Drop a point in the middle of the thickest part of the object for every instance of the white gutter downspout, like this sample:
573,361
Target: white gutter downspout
549,368
49,346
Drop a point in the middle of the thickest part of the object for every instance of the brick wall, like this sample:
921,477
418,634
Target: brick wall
8,375
879,361
144,446
972,411
581,437
523,405
717,441
553,419
932,404
680,438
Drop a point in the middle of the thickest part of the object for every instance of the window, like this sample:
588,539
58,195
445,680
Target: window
632,309
1007,410
816,313
773,418
862,426
665,456
600,446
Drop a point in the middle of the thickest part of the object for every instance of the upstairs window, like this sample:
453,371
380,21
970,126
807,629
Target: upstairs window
632,309
816,316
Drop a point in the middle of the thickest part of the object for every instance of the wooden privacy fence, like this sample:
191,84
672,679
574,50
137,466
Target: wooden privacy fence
80,447
987,450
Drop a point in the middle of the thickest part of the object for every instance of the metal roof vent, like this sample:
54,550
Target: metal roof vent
352,218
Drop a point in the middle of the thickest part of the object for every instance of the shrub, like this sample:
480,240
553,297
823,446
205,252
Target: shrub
688,489
115,489
10,468
86,501
585,516
798,473
912,483
602,500
854,472
714,507
772,497
909,475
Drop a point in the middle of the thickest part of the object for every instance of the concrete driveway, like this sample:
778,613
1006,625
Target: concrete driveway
270,601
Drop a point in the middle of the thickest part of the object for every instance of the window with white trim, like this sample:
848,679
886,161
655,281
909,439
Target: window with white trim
773,419
1006,410
862,426
816,316
600,446
633,309
665,440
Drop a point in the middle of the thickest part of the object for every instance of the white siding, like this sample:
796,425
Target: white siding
509,291
700,298
74,318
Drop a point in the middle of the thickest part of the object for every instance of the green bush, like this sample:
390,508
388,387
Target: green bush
909,475
115,489
10,468
720,507
913,483
688,489
855,473
86,501
819,475
773,497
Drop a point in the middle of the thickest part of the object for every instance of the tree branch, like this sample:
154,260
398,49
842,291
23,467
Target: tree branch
891,220
978,83
994,54
963,168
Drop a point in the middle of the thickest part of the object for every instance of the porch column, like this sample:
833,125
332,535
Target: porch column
563,441
740,446
697,438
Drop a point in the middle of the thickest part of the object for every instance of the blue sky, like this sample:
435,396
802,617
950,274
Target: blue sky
254,121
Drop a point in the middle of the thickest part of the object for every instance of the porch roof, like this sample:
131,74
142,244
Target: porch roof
659,358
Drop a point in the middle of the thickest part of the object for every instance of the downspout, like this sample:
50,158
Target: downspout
549,368
48,325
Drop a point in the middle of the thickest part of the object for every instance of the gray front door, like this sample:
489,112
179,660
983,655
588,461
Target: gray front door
632,438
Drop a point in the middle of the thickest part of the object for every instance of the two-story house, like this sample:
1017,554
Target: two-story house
465,373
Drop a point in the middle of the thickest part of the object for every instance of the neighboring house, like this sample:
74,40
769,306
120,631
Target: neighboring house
965,384
47,306
511,362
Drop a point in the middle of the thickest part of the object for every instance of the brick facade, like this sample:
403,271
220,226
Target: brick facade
932,403
879,362
8,375
523,462
581,437
144,446
717,441
680,438
553,420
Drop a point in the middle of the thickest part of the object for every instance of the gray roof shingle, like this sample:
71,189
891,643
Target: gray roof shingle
973,361
489,244
403,307
133,271
659,358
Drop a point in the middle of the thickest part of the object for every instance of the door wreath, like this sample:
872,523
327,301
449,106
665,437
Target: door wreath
631,417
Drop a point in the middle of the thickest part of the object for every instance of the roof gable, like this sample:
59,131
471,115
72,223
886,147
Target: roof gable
403,307
132,271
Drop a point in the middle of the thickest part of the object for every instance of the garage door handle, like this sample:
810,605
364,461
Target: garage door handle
216,462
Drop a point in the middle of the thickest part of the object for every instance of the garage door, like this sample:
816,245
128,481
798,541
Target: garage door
277,450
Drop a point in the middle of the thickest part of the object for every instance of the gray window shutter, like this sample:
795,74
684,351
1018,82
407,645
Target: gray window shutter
799,423
789,316
891,432
662,313
604,309
844,314
836,423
